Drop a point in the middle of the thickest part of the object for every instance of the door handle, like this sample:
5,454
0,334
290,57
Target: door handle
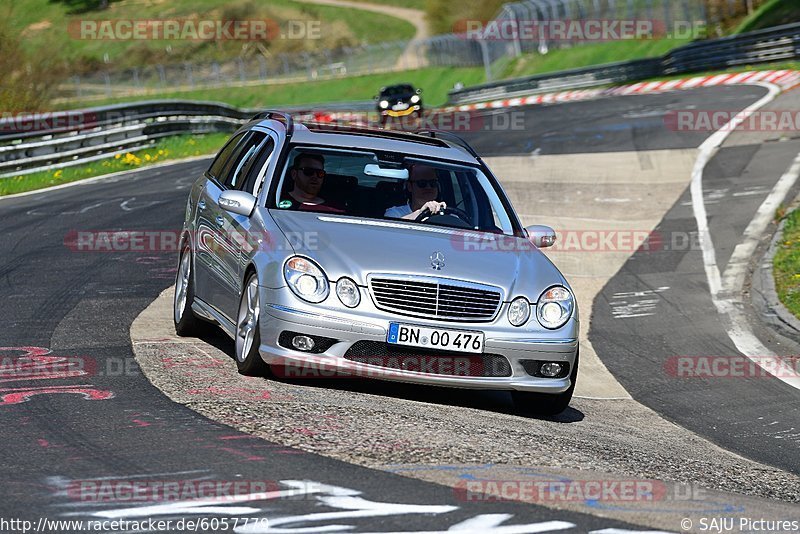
201,204
220,220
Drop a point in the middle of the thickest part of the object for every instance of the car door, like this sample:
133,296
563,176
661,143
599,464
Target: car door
231,230
207,267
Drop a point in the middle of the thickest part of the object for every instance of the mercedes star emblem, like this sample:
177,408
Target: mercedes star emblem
437,261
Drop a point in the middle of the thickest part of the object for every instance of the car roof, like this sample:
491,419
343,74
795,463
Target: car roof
349,136
401,86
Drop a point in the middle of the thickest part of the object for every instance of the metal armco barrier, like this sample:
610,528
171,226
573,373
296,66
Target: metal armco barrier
62,139
763,46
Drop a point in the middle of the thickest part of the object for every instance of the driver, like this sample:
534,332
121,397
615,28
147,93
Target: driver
423,186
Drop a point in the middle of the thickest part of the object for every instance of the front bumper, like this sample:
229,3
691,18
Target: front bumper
283,311
403,112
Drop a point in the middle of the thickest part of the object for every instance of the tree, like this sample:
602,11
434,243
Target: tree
75,7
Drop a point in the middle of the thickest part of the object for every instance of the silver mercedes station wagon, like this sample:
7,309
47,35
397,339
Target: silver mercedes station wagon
363,252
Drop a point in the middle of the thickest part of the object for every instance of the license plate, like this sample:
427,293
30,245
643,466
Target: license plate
435,338
399,107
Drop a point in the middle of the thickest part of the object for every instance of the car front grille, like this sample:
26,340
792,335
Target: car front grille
379,354
434,298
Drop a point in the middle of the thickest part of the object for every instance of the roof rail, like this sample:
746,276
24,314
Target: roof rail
277,115
450,136
399,135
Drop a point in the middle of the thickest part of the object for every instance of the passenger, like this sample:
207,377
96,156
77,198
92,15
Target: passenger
308,174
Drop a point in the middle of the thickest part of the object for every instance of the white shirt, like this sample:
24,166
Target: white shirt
398,211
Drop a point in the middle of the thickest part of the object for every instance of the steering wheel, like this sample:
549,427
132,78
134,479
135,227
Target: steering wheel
447,212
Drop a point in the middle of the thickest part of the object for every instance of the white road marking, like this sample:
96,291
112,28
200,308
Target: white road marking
622,308
725,293
612,200
737,266
752,191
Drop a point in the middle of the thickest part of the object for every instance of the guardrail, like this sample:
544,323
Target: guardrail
762,46
62,139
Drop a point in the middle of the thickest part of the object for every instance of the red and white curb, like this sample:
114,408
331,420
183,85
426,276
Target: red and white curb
785,79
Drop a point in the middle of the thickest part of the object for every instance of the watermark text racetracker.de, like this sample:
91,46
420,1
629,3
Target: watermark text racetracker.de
189,29
733,367
484,120
46,121
577,30
699,120
146,524
169,241
562,490
16,368
128,491
597,241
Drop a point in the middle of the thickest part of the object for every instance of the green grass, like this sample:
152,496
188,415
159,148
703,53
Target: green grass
590,54
169,148
46,23
786,264
773,13
412,4
435,82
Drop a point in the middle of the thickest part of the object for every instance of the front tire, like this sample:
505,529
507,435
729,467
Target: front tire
186,323
248,334
544,403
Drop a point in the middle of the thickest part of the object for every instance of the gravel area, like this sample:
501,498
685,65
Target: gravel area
383,425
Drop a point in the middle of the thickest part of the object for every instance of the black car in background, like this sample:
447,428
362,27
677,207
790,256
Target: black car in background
400,100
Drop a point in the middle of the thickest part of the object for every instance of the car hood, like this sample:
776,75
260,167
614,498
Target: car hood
354,247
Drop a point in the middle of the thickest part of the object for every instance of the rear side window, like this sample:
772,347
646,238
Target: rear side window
252,168
235,171
224,155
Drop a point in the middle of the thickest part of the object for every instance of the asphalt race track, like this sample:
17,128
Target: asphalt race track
79,411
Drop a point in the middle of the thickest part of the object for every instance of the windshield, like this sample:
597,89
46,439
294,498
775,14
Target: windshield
398,90
392,187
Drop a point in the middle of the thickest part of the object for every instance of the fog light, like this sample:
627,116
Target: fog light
303,343
549,369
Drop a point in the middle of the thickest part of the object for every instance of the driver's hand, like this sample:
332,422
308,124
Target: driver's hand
433,206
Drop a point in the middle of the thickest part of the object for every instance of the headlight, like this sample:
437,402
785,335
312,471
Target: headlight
519,311
306,279
384,104
555,307
348,292
415,99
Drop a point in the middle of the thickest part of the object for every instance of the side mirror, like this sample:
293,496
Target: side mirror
541,236
237,202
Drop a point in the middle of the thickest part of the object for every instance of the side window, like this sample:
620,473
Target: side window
252,168
232,176
224,155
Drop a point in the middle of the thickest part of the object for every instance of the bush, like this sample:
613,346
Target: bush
27,80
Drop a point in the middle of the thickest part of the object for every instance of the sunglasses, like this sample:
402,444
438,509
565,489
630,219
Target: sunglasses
311,171
422,184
